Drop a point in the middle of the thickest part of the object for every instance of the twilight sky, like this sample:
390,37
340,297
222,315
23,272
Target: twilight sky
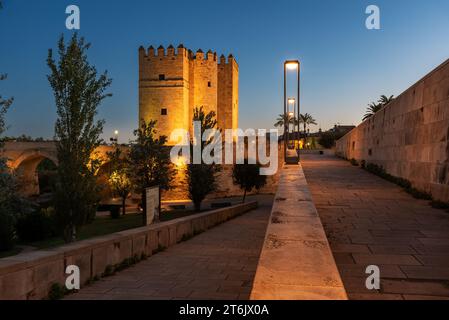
344,65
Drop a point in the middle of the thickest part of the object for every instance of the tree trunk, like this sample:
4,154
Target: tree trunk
305,137
73,233
156,216
144,207
244,196
70,231
124,205
197,205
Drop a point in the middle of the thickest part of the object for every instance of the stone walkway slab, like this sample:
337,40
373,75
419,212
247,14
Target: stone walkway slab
218,264
371,221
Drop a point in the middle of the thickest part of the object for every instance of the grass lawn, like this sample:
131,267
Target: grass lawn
100,227
105,225
9,253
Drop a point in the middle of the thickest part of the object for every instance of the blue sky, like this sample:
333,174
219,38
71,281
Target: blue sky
344,65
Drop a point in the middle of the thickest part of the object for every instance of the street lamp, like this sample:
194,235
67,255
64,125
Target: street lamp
290,65
115,138
292,106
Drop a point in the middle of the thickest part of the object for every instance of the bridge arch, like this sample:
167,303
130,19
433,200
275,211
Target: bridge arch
26,166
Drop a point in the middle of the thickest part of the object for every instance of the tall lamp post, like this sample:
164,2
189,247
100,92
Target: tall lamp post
290,65
292,113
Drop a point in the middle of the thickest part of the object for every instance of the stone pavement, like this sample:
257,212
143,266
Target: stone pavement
218,264
370,221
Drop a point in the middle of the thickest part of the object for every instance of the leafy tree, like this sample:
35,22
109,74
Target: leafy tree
78,92
11,204
120,184
117,160
327,140
247,177
149,162
201,177
373,107
8,188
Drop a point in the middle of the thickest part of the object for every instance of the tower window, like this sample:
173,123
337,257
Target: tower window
163,112
209,84
162,77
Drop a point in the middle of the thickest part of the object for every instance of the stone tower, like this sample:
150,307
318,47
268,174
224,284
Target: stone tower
173,82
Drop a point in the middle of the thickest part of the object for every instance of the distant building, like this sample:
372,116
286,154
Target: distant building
172,83
341,130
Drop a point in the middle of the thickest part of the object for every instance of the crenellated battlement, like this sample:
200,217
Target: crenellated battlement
171,51
173,81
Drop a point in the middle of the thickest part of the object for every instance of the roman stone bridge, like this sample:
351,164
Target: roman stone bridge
25,157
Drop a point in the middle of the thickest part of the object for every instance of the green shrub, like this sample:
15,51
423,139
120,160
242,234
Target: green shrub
12,206
404,183
417,194
115,212
375,169
57,292
363,164
7,232
439,204
35,226
108,271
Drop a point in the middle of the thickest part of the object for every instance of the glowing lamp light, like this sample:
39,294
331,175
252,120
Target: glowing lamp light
291,65
116,132
291,100
291,114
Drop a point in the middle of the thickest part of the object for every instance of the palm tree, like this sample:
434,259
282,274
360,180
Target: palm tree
287,118
384,100
371,110
375,107
306,120
283,119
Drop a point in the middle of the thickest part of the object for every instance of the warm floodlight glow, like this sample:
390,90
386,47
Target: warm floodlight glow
181,162
291,100
292,65
291,114
116,132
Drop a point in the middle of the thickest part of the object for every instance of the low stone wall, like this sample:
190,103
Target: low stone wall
31,275
409,137
296,262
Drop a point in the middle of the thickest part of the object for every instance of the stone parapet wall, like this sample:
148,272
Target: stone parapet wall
31,275
409,137
296,262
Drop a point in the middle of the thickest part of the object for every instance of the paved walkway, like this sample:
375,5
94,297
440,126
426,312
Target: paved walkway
218,264
371,221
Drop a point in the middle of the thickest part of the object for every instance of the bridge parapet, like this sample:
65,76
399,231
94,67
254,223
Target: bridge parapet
296,262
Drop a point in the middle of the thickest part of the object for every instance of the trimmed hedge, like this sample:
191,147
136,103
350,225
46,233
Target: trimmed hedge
404,183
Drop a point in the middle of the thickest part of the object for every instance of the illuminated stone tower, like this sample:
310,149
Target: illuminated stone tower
173,83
